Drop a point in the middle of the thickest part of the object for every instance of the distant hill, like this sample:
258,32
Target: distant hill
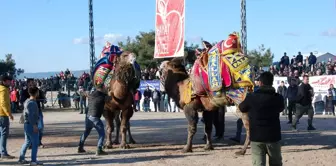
48,74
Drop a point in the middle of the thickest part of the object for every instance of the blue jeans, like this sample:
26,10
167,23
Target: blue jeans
167,106
146,105
4,131
40,126
137,104
32,139
174,107
13,107
82,105
93,122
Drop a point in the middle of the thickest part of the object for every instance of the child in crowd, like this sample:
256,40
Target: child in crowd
31,131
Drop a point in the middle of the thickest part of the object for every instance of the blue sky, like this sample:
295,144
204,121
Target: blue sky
51,35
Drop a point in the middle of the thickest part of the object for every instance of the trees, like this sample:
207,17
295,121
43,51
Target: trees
7,65
260,57
143,46
189,52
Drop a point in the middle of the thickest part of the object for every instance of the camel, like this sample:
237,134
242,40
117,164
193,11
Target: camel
184,89
117,120
124,80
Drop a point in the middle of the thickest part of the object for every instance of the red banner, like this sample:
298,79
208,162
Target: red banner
169,28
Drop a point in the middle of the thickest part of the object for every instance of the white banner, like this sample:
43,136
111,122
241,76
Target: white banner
320,84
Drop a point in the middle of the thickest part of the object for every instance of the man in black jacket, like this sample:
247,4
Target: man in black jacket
263,107
299,58
284,60
147,95
291,96
282,90
304,103
311,60
95,109
240,121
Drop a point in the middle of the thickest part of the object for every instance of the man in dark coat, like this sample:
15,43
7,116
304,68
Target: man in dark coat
239,122
263,108
304,100
282,90
299,58
284,60
311,60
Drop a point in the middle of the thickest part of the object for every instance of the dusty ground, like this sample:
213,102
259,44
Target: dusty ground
160,137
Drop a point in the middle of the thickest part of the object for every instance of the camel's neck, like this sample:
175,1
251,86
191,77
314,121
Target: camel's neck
172,83
119,89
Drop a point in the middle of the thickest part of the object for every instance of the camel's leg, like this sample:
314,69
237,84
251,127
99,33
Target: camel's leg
117,121
192,117
130,138
208,120
125,117
246,123
108,115
221,123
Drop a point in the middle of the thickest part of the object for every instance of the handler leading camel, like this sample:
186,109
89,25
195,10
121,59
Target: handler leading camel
97,100
95,110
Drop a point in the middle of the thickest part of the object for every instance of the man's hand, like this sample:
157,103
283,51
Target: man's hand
35,129
11,117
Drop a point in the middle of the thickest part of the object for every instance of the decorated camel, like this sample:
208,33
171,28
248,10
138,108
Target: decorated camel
122,83
220,76
119,75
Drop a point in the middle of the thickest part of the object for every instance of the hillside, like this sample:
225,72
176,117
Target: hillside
48,74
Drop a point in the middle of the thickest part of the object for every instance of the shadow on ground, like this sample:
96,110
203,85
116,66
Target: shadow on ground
97,160
174,131
169,134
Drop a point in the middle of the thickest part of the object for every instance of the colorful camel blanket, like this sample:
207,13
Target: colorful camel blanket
104,66
135,84
223,66
240,70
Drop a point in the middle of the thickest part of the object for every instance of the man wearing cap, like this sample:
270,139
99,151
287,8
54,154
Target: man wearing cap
5,115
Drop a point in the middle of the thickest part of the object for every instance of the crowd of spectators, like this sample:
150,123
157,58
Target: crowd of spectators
299,65
296,66
149,74
64,81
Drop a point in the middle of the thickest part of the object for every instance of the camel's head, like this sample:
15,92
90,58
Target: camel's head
172,72
126,57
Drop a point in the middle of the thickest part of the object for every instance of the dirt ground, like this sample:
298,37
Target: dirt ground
160,138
